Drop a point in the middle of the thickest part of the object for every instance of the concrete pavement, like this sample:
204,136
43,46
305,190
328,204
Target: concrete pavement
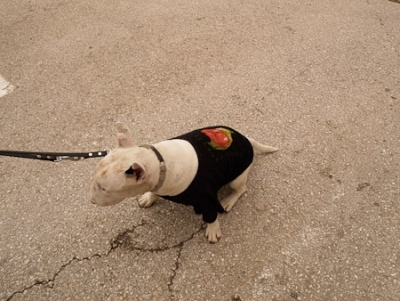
318,79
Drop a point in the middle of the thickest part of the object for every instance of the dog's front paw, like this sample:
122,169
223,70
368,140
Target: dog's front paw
213,232
147,199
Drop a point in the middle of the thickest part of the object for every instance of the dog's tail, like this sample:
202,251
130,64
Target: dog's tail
262,148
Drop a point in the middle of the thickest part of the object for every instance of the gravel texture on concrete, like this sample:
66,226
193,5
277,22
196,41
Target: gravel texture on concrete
318,79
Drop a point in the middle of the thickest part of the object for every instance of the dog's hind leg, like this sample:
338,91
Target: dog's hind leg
238,187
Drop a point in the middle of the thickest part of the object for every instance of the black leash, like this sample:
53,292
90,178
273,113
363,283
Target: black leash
54,157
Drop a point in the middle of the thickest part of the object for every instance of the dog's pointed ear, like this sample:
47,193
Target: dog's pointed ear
137,172
124,136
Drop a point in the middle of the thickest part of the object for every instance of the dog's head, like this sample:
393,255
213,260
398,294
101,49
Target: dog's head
120,174
117,178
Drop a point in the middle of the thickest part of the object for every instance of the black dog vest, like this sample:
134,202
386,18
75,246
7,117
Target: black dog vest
223,155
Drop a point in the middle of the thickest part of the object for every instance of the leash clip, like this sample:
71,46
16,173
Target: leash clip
61,158
81,156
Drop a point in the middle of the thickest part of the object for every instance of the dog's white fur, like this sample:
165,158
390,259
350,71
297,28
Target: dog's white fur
111,184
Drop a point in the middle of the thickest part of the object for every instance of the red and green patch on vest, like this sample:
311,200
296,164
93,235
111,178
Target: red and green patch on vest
221,138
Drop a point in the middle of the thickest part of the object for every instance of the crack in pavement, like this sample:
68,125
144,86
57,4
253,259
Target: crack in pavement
123,240
50,282
177,265
120,241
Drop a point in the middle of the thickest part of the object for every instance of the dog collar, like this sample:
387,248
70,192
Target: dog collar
163,167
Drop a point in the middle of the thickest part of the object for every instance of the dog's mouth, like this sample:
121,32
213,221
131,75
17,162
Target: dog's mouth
100,197
102,203
105,204
98,190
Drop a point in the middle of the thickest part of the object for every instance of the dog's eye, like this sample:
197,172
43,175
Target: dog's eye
99,187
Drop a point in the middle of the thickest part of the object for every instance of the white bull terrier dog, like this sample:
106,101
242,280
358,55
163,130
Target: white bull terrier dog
188,169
